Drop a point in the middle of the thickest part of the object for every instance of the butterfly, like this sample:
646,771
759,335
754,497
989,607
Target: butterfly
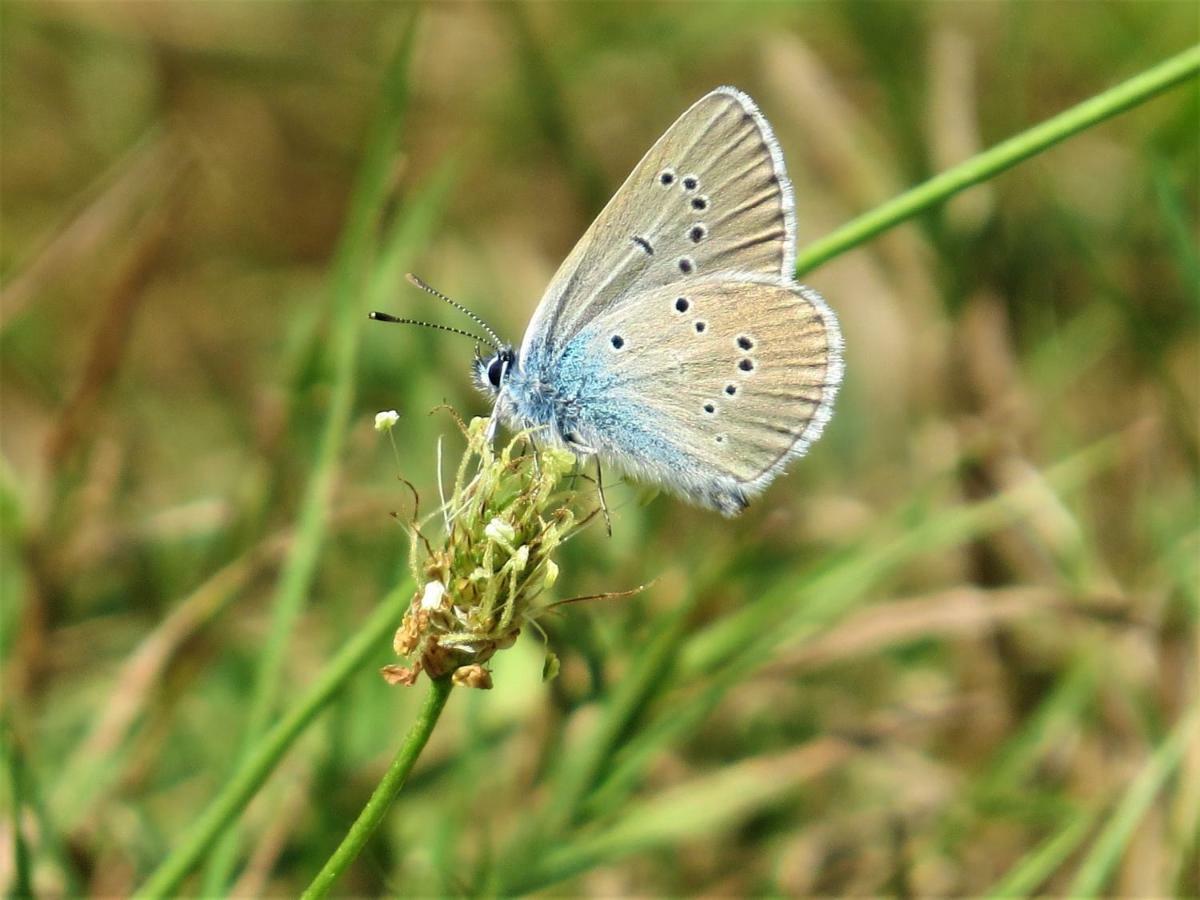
673,343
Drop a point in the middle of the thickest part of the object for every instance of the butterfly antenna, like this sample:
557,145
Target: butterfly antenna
384,317
417,282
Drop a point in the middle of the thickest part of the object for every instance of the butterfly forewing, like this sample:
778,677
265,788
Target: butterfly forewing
715,385
711,195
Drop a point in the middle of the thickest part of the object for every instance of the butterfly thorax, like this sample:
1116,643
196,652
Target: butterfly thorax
535,395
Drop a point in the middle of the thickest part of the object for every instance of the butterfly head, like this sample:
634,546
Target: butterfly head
492,371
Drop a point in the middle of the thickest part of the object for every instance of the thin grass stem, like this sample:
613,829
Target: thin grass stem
1004,155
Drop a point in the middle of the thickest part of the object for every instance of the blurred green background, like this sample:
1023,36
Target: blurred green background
954,651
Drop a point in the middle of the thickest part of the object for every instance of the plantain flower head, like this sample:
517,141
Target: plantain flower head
508,514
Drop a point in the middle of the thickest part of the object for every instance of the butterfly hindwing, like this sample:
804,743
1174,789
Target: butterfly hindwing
711,195
707,388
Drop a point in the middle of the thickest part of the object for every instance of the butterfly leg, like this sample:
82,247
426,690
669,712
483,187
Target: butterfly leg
603,501
575,472
493,424
537,466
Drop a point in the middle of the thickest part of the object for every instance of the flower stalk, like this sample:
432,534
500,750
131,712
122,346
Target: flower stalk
387,789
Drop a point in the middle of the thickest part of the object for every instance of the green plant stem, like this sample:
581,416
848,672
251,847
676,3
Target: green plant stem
1004,155
236,793
385,792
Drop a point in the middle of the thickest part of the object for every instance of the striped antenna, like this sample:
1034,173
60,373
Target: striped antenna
417,282
384,317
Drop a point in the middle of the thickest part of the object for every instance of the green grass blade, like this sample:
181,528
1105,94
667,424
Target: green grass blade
1096,868
791,611
628,699
1046,859
22,884
267,752
579,773
1054,717
750,641
1180,231
350,265
1003,156
543,90
708,805
26,799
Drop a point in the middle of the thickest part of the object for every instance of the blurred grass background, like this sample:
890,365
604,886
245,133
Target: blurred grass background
953,652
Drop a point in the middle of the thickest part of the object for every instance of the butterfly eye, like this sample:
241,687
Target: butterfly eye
495,371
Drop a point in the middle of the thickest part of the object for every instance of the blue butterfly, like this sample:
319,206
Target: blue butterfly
673,342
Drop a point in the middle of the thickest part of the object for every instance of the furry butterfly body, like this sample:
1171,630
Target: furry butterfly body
673,342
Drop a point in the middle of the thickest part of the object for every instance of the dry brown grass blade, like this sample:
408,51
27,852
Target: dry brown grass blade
956,613
999,426
107,206
103,360
953,122
142,672
841,146
848,155
111,334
